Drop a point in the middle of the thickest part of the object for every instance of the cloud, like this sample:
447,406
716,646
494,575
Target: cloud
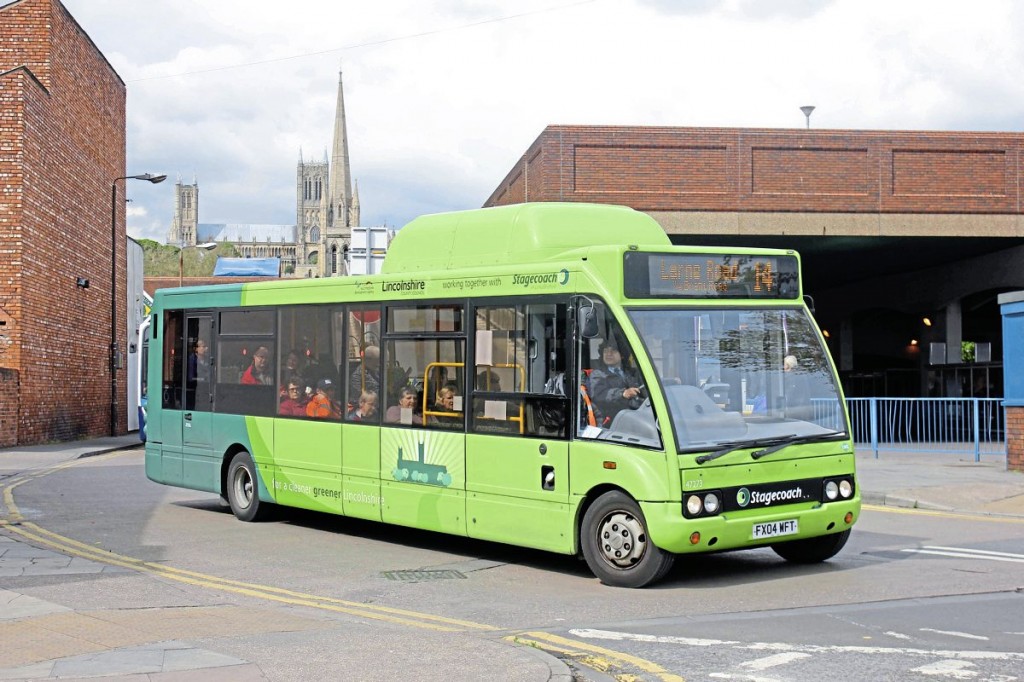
442,98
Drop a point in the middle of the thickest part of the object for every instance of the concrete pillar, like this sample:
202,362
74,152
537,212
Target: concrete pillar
954,333
846,345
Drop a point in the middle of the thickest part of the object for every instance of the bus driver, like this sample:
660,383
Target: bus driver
614,387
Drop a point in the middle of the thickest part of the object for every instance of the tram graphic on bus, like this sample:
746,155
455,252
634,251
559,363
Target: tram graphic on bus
418,471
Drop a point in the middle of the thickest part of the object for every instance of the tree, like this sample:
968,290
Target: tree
161,260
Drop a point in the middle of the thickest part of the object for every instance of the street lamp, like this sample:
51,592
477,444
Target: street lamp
807,109
148,177
181,256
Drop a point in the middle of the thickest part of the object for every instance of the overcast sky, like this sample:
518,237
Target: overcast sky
443,97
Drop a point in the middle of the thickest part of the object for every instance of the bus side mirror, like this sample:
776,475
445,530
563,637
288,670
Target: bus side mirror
588,322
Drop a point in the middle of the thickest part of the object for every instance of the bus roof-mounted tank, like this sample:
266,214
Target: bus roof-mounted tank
520,233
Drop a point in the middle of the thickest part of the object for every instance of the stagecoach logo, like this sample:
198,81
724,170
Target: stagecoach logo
364,287
771,494
561,277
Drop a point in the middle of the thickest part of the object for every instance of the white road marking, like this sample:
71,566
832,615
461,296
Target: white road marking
804,648
898,635
976,551
952,633
744,678
772,661
961,553
632,637
955,669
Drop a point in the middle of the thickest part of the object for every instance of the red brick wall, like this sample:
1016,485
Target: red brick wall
1015,438
718,169
8,407
72,145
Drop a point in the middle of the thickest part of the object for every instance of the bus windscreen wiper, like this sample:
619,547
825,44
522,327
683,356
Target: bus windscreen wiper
794,440
733,445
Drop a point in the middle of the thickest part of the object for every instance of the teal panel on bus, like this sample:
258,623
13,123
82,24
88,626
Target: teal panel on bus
219,296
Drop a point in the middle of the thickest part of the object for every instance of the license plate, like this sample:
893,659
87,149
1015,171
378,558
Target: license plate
774,529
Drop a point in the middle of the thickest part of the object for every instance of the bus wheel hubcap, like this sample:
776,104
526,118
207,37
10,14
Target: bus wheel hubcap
622,539
243,486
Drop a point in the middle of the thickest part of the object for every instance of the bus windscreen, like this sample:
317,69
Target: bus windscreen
710,275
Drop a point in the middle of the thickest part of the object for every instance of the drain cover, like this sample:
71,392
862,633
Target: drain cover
416,576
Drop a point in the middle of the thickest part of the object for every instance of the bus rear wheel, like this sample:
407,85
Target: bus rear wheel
812,550
243,489
616,545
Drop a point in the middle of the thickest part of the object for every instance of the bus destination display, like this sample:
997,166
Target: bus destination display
710,275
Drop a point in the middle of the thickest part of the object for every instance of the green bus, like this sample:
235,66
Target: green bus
549,375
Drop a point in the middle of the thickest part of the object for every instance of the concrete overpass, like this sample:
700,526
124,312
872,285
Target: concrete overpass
894,227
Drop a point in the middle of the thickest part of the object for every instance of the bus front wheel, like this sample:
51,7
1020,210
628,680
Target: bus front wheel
812,550
616,544
243,489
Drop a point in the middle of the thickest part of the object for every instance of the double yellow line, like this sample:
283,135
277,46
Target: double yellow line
615,664
35,534
41,536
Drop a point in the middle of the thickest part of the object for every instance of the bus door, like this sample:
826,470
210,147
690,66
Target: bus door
617,436
517,449
197,417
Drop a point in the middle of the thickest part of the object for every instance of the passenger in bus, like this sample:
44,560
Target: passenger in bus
366,409
258,373
614,386
445,402
293,365
488,380
406,401
323,405
796,388
293,404
365,377
199,362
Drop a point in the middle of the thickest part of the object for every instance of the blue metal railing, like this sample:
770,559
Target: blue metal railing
940,425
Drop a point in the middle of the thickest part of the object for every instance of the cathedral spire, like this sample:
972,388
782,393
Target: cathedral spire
341,182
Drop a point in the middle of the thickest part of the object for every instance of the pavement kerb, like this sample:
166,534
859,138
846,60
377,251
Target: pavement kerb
883,500
559,670
97,453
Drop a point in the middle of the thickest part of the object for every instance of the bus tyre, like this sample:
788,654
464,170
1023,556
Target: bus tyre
243,489
616,545
812,550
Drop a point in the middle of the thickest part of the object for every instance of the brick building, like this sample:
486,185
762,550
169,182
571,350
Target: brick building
894,227
62,144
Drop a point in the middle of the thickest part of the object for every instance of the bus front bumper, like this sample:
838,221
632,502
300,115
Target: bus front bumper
672,532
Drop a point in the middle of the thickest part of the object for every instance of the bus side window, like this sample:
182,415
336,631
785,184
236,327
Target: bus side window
173,347
520,367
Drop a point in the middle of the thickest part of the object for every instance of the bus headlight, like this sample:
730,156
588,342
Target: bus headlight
845,489
705,503
834,489
831,490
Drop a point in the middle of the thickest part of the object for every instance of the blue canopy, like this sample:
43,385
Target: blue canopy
247,267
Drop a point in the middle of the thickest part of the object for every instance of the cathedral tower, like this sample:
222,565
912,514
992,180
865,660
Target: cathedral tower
311,190
186,214
326,207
